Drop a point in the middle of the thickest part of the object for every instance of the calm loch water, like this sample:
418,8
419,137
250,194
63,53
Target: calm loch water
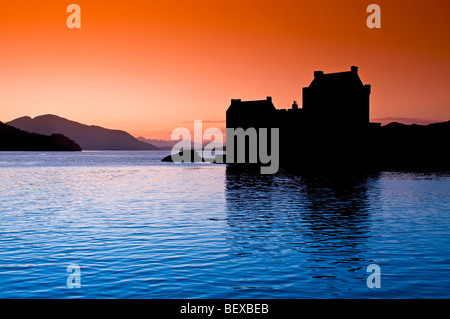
139,228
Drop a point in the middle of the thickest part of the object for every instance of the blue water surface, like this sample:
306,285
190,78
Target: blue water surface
140,228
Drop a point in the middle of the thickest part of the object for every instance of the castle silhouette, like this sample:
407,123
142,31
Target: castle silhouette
332,128
332,100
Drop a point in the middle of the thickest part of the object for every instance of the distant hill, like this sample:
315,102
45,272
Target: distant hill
413,145
13,139
164,145
89,137
167,145
429,133
430,126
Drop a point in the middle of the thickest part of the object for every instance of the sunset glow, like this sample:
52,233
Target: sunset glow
148,67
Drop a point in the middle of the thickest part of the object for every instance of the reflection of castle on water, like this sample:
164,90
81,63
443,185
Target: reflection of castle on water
323,219
338,202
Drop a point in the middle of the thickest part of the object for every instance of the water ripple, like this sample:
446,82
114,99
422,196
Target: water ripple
139,228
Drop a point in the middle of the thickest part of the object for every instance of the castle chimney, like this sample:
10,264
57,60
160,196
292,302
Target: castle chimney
295,106
318,74
354,69
269,99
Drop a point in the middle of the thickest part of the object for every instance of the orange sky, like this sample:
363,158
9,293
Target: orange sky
148,67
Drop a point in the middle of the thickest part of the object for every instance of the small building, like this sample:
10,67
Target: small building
247,114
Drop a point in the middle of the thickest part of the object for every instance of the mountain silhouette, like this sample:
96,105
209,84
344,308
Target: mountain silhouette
89,137
406,146
13,139
161,144
168,145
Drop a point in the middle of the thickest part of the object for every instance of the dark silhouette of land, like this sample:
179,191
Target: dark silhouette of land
88,137
403,146
332,130
13,139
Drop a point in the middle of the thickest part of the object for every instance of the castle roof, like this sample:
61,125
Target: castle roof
336,80
253,106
